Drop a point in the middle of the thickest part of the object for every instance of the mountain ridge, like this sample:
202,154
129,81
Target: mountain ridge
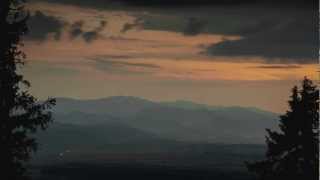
179,120
175,103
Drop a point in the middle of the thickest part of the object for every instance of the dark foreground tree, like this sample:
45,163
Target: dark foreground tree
293,153
20,113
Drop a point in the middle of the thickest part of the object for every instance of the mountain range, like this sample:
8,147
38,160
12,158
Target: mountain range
136,124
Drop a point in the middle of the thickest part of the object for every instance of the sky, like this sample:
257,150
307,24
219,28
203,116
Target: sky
223,53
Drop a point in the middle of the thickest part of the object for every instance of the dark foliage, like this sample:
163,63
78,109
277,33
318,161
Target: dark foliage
294,3
293,153
101,3
85,171
20,113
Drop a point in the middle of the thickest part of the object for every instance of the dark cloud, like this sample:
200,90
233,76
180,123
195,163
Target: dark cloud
108,3
138,23
76,30
121,67
182,21
90,36
280,35
277,67
211,2
103,24
119,38
126,64
84,3
194,26
293,40
128,26
41,25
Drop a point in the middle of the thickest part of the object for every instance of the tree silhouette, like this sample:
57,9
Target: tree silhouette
293,153
20,113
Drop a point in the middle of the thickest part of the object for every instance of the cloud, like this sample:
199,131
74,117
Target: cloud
204,70
76,30
90,36
278,35
194,26
137,24
108,3
210,2
41,25
291,41
117,56
46,68
127,64
124,67
140,39
278,67
129,26
103,24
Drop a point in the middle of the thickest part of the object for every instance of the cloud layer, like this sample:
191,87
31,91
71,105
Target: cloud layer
280,35
124,67
41,25
294,41
76,30
107,3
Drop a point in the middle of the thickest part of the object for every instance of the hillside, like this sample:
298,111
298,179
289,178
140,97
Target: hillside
178,121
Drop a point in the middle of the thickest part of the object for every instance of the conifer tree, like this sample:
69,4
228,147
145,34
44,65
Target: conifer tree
21,114
293,153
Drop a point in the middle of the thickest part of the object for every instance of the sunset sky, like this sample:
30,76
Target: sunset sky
224,55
